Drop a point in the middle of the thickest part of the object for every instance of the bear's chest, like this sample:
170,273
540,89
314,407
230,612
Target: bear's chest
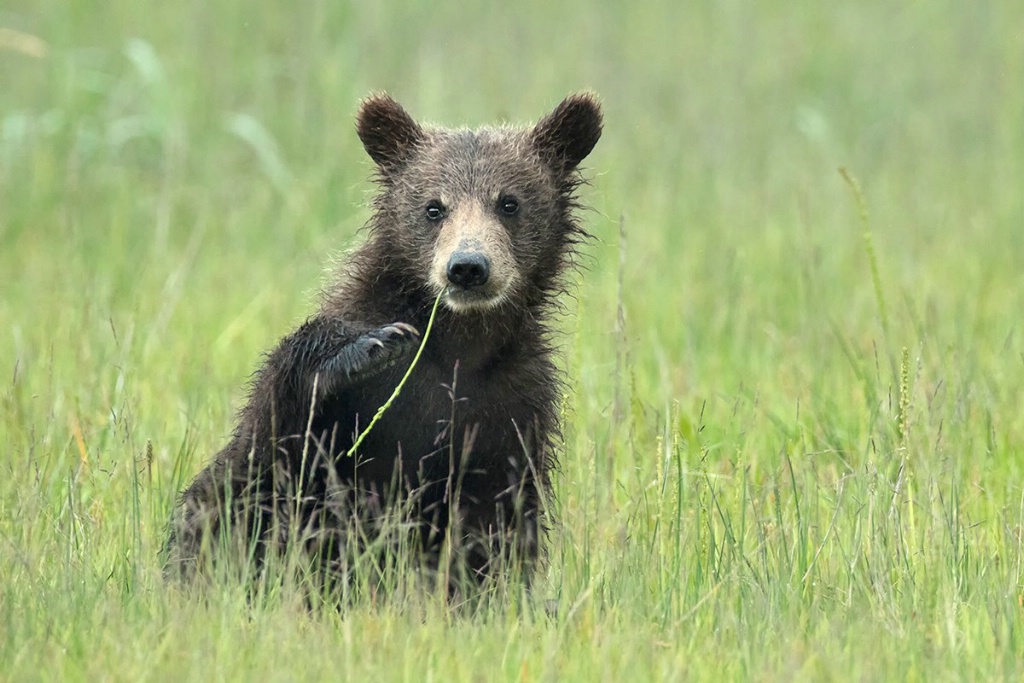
443,418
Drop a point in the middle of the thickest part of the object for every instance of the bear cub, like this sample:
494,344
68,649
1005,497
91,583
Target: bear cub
485,220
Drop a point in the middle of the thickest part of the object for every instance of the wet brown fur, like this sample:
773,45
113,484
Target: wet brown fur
480,480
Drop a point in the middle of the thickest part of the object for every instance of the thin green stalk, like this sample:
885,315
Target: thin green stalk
398,389
869,244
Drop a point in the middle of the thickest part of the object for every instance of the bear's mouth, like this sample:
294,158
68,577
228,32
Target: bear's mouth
460,299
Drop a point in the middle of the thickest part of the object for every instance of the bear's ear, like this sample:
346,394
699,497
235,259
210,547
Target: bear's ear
388,133
567,135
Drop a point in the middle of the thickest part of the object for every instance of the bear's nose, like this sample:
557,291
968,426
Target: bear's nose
468,269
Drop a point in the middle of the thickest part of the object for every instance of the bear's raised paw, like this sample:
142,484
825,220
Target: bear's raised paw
376,350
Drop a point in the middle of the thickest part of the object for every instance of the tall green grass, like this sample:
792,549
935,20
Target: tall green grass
792,451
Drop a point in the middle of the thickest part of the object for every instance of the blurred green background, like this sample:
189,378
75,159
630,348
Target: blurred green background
780,466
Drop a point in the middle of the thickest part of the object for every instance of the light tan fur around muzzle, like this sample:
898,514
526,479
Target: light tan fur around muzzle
471,226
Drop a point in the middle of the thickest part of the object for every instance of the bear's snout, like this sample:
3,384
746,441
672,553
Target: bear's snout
468,269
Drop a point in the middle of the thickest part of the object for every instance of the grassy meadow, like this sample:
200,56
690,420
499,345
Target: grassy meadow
794,436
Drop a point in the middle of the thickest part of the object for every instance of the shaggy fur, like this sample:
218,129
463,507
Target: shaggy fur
467,447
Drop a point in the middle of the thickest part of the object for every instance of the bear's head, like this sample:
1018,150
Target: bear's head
486,215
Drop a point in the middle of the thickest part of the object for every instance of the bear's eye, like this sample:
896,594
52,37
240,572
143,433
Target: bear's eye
508,205
435,211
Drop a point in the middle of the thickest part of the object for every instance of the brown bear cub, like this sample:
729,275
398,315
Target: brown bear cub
485,220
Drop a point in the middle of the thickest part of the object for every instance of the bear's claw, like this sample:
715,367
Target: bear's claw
371,353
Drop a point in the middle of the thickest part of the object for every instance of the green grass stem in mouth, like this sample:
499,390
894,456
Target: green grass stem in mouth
398,389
